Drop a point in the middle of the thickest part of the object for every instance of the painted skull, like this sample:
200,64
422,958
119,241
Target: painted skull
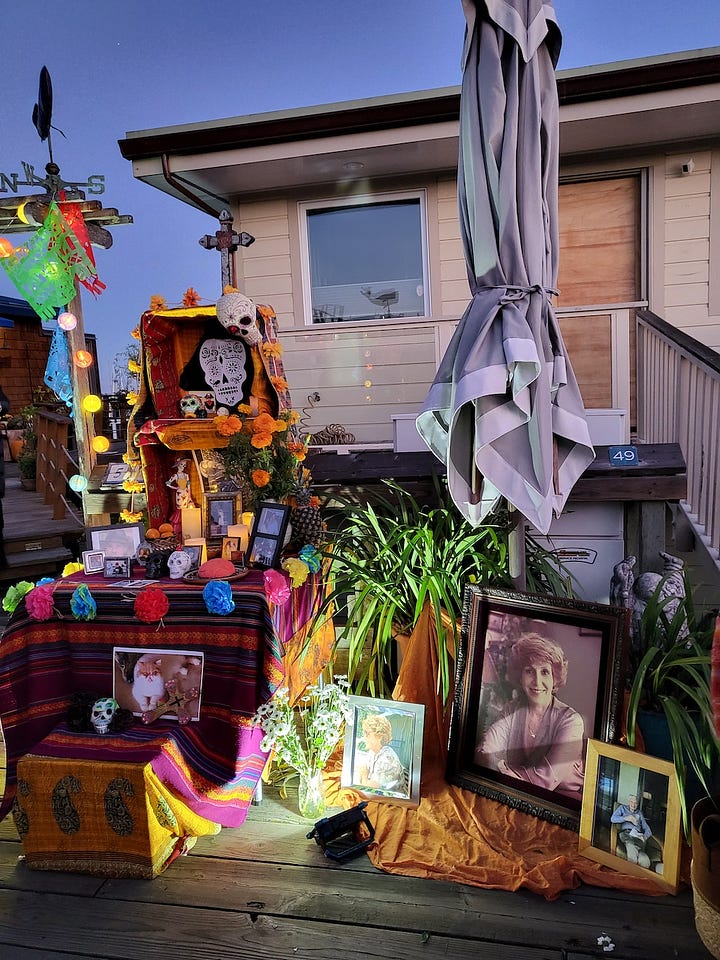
179,563
102,713
190,405
223,363
237,313
156,566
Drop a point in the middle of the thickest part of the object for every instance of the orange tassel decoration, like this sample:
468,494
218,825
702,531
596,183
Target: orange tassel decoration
191,298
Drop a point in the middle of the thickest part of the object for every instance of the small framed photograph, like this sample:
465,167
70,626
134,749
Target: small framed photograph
631,814
231,548
115,567
93,561
196,552
268,534
117,540
164,682
220,511
536,677
382,753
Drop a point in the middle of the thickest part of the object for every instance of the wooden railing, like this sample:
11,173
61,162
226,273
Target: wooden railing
679,402
54,462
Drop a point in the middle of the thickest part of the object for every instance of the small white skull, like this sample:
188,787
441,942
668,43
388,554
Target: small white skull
237,313
179,562
102,713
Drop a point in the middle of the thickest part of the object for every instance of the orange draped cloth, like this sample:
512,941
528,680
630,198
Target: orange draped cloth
457,835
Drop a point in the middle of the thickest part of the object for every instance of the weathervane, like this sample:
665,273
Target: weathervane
226,240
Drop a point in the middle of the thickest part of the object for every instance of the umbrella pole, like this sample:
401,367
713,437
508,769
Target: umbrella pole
516,548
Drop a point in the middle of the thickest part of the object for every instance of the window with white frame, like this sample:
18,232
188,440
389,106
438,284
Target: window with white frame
365,258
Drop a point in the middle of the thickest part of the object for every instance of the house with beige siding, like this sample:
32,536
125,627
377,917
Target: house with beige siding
640,155
357,243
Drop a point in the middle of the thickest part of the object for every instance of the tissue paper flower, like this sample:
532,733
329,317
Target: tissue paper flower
217,595
39,602
70,568
277,587
311,557
15,594
298,571
151,605
82,603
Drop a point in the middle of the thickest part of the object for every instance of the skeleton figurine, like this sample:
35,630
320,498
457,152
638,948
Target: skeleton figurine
179,562
102,713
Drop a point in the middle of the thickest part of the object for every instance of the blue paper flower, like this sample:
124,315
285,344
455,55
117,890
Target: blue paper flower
311,557
217,595
82,603
43,580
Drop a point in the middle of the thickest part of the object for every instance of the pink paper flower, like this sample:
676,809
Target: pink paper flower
39,602
277,587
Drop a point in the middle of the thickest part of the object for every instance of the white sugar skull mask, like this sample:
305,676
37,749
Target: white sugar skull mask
103,711
237,313
223,363
179,562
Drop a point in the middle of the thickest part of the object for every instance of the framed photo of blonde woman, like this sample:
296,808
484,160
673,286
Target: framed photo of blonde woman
536,678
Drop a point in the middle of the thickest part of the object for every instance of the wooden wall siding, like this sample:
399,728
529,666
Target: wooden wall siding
24,351
599,242
265,267
454,287
363,375
688,227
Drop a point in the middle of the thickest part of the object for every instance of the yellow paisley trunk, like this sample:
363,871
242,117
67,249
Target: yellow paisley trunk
106,819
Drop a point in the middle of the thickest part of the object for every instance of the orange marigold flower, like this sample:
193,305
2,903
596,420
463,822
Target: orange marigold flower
261,440
228,426
315,502
297,449
244,408
135,334
132,397
292,417
132,486
272,349
261,478
128,516
158,302
191,297
134,366
280,384
229,288
264,423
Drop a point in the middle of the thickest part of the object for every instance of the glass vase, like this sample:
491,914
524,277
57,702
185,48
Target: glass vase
311,795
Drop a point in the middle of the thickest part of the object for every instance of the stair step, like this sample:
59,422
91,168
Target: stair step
33,564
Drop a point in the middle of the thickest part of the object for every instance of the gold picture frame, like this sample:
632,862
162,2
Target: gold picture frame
613,777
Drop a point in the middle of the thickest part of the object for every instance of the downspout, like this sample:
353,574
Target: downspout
178,183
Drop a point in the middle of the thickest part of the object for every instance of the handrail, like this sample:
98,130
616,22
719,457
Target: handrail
52,430
678,389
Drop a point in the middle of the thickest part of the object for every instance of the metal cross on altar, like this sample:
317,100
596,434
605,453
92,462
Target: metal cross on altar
226,240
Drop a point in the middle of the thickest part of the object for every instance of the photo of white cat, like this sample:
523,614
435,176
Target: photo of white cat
143,680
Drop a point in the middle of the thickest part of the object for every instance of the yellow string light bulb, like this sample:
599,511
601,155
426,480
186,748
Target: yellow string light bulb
100,444
6,247
91,403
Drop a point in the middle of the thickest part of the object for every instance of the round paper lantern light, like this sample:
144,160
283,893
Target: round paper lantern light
6,247
66,321
78,483
82,359
100,444
91,403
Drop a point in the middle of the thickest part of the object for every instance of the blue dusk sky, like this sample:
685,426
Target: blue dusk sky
135,65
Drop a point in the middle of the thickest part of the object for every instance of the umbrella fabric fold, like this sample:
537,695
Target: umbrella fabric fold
504,412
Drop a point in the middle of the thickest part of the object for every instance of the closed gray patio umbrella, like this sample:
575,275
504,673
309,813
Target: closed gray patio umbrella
504,411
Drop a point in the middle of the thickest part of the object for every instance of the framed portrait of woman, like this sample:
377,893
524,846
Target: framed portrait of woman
220,511
382,752
536,678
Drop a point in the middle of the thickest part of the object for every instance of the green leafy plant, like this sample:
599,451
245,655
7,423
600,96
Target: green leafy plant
391,556
671,675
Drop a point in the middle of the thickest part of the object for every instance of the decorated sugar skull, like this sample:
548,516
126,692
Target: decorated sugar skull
103,711
190,406
179,562
156,566
223,363
237,314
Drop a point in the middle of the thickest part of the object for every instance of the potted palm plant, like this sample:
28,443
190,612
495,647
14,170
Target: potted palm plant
389,557
670,689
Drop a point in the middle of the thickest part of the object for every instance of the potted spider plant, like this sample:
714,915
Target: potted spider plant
670,692
392,556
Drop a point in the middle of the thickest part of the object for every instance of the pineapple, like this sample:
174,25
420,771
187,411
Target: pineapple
305,520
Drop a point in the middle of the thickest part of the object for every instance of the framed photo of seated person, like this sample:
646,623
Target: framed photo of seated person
535,678
382,752
631,814
268,534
